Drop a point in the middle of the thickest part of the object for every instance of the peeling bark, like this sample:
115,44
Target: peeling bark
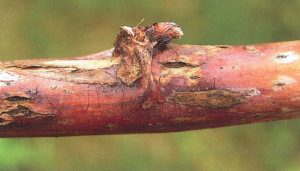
147,85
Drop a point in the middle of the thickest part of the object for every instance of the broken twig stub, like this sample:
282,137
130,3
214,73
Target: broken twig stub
136,47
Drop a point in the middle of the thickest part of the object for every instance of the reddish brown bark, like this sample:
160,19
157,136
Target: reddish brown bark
183,87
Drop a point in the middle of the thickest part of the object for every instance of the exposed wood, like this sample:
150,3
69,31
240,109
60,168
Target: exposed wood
144,87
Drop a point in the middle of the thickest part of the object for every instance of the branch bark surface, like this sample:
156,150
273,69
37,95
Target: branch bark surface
145,88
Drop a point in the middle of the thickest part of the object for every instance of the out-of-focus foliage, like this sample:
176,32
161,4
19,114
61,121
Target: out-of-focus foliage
56,28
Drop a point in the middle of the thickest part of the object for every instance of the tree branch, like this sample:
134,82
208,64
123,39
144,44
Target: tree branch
147,85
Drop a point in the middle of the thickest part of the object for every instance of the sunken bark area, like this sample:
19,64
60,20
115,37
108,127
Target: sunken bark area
191,87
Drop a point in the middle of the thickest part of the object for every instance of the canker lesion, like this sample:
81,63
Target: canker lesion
16,109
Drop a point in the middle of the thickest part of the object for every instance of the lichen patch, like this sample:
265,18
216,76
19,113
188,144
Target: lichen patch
191,75
209,99
79,64
91,77
7,78
249,92
19,111
76,76
83,64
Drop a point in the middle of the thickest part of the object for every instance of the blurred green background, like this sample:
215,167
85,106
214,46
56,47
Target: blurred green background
56,28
